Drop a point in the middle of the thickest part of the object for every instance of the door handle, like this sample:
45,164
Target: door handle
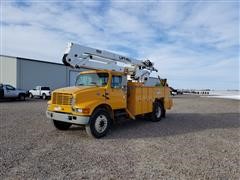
106,95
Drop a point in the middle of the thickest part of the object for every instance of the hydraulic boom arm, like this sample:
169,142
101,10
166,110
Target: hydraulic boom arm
78,56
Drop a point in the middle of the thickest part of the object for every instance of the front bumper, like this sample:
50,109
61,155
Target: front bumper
69,118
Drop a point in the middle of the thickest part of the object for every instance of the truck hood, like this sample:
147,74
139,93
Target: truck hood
74,89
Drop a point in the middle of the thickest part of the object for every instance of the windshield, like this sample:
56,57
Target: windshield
92,79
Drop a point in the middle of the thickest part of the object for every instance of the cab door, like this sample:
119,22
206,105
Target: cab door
10,92
116,96
38,91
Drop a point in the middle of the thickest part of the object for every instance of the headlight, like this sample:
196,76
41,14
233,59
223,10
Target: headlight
82,110
79,110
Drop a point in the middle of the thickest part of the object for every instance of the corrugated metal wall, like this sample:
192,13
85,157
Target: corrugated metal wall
36,73
152,81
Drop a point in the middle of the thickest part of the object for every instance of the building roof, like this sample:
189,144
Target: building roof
34,60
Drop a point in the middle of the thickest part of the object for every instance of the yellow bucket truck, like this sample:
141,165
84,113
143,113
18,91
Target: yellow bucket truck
114,89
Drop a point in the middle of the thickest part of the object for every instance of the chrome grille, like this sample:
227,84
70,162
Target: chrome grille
62,98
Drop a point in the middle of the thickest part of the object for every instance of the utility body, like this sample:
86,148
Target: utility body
107,93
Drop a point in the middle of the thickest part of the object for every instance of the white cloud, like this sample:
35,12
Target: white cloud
187,41
32,43
213,23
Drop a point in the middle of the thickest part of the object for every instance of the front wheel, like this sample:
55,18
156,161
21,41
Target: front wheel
99,124
61,125
44,96
21,97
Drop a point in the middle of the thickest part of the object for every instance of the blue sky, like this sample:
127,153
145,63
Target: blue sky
194,44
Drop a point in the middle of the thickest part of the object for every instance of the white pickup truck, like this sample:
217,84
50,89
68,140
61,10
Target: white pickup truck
40,91
9,92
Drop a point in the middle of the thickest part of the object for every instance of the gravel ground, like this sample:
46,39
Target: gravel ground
199,139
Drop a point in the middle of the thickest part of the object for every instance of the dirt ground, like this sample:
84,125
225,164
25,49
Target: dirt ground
199,139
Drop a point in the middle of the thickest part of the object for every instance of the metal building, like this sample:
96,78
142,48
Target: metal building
26,73
152,81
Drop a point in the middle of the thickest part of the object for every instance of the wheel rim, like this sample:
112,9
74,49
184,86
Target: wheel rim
101,123
158,112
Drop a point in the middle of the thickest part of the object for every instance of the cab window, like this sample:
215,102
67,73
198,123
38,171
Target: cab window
116,82
8,87
45,88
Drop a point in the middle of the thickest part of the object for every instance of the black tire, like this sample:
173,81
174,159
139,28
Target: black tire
31,95
61,125
158,112
99,124
21,97
1,93
44,96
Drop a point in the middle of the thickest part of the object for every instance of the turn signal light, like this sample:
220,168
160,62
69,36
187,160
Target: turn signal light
86,110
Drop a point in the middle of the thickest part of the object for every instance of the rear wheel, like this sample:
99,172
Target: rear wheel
61,125
158,112
99,124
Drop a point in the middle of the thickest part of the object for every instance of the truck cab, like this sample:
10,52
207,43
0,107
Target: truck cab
40,91
9,92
